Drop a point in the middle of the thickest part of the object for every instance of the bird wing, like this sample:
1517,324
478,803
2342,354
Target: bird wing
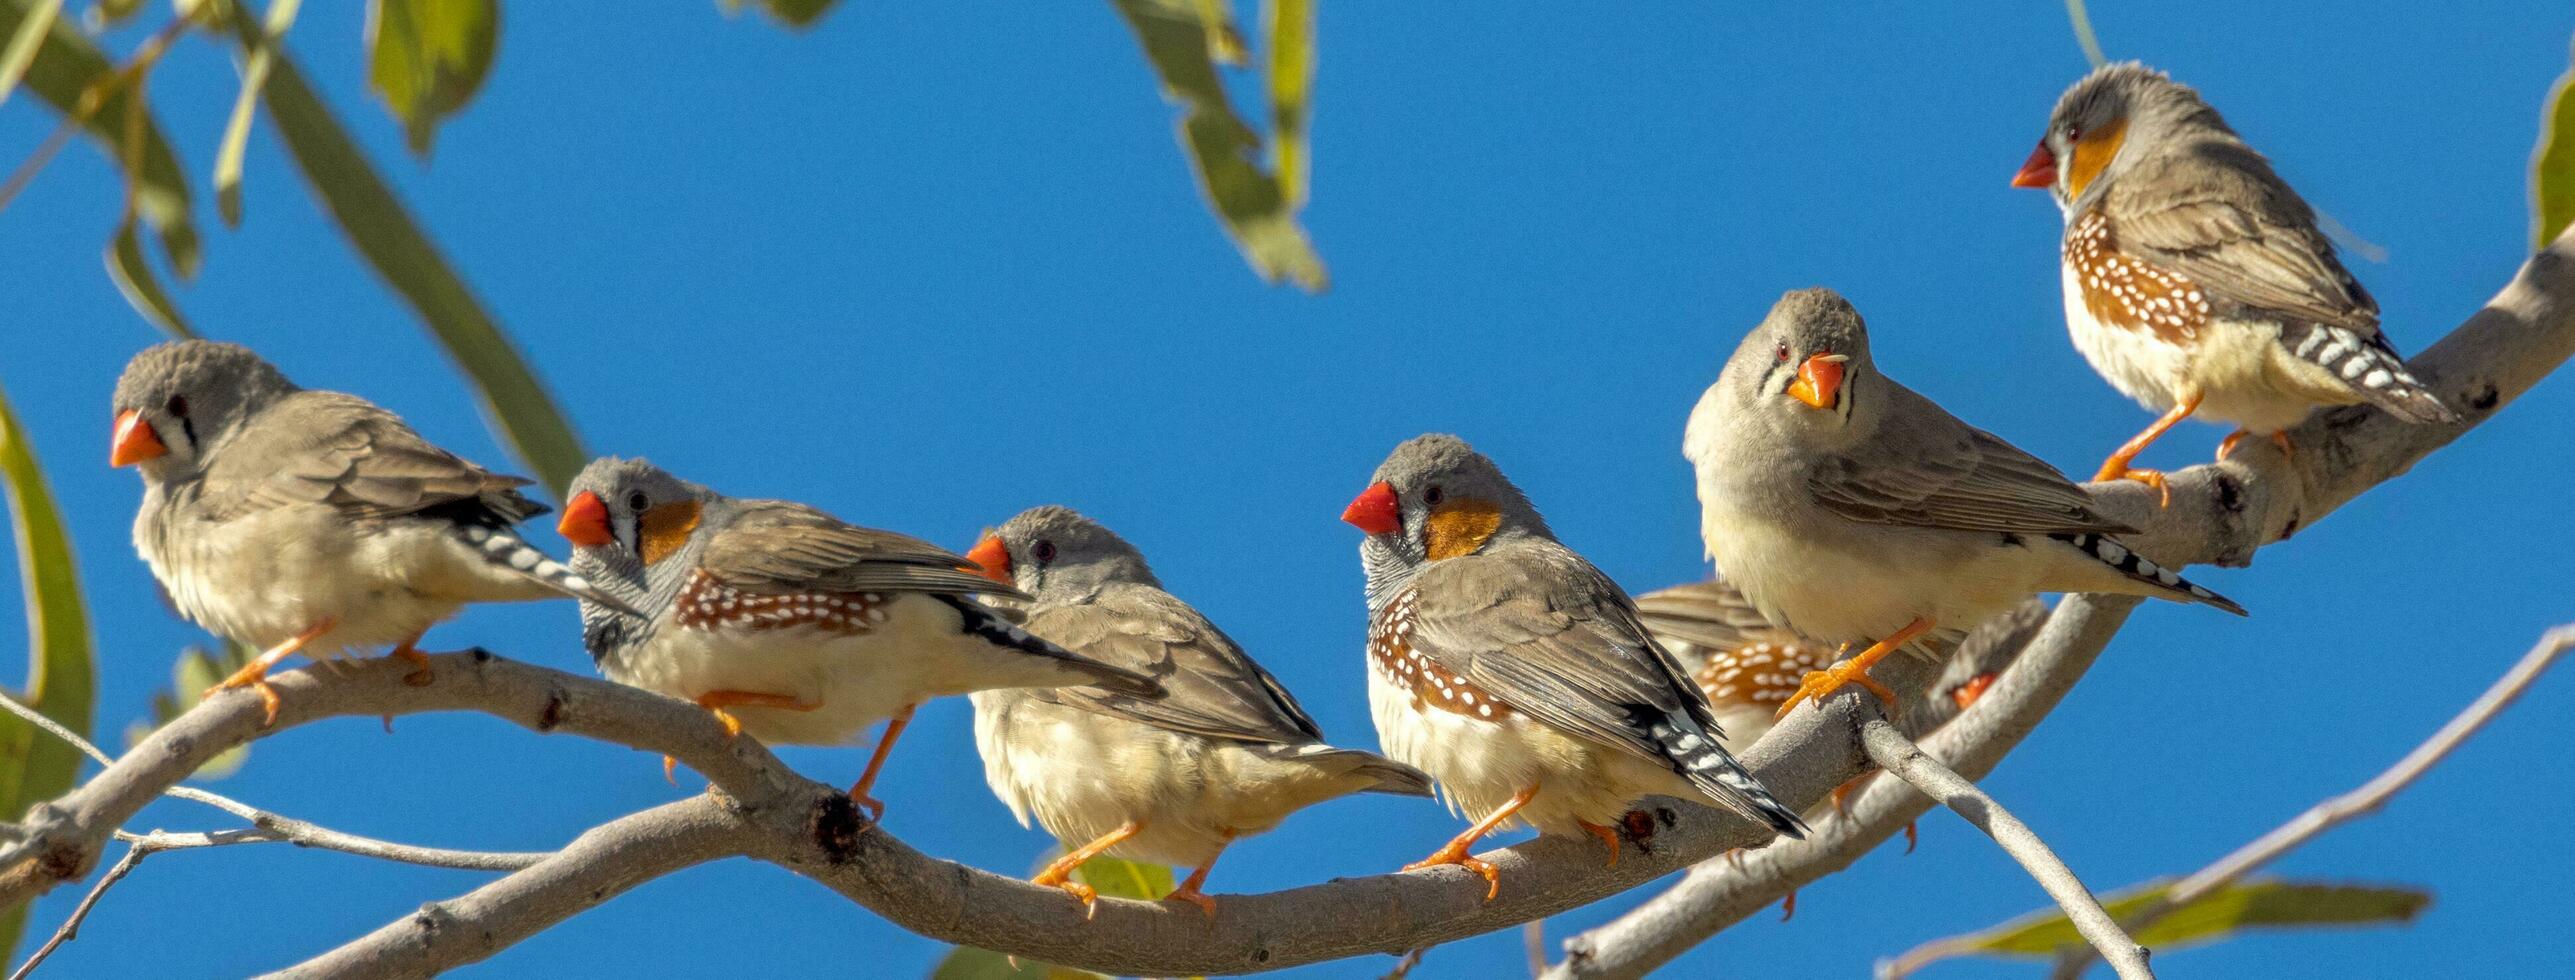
2219,216
776,547
1215,689
1553,638
324,447
1711,614
1925,468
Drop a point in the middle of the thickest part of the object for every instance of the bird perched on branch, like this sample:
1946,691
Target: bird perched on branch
2196,281
1852,510
1746,666
1514,672
789,623
1229,754
311,521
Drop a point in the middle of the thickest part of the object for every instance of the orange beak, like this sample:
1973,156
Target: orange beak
1819,380
991,558
585,521
1375,510
2039,170
135,440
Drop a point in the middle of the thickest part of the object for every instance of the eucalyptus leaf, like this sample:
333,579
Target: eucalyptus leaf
1291,30
66,69
254,77
969,963
61,678
32,26
195,672
2552,166
2254,904
427,58
797,14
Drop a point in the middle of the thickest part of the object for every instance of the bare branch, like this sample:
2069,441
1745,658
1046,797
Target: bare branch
70,930
1905,760
2220,512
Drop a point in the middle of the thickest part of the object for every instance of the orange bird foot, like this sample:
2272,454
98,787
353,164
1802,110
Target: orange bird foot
1089,896
1819,683
253,677
1788,906
1455,853
1912,836
1205,902
1607,836
420,675
2116,470
875,807
2280,439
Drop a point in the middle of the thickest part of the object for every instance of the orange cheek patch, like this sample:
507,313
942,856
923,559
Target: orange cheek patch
1459,527
666,528
2091,154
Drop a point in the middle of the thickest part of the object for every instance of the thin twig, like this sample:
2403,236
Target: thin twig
1908,762
1533,939
2359,802
1404,965
70,930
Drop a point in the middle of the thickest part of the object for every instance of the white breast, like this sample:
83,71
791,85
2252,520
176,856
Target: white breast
271,575
2137,362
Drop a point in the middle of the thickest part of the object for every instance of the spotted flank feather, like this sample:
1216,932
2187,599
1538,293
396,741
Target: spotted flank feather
989,625
1694,752
2116,555
2370,366
505,548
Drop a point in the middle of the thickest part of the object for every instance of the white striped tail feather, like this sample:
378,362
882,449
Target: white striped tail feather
2370,366
2109,551
505,548
1695,752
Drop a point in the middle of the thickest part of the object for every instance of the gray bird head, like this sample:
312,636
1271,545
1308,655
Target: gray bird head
179,400
628,521
2106,123
1435,497
1059,556
1804,373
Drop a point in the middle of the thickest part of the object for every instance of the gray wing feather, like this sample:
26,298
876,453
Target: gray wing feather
1215,688
2220,216
1925,468
324,447
776,547
1710,614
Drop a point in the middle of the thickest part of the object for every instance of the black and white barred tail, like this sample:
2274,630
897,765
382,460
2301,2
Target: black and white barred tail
982,621
2110,552
1695,754
2370,366
503,547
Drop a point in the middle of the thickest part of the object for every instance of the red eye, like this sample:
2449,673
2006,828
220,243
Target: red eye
1783,353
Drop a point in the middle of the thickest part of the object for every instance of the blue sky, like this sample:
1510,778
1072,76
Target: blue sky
931,264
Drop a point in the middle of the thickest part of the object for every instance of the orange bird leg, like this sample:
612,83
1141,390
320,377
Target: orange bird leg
884,746
1455,851
1059,874
2280,439
2116,467
1188,890
716,701
1818,683
1912,836
254,674
1606,835
1788,906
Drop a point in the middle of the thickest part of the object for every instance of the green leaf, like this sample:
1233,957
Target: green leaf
113,12
60,676
66,67
21,51
797,14
133,276
254,78
1121,878
2083,33
2552,166
969,963
1291,30
1111,877
428,58
2255,904
1224,41
393,243
1224,151
191,676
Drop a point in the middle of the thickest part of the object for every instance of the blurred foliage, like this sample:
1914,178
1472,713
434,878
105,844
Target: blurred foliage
1112,877
2552,166
60,681
428,58
196,672
798,14
2218,916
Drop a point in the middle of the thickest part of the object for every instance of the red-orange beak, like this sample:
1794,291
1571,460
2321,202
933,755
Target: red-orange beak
1375,510
1819,380
585,521
991,558
2039,170
135,441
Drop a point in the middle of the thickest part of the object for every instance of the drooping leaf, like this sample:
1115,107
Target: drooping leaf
110,13
1224,40
67,67
1223,150
60,677
196,672
2552,166
1121,878
385,234
21,51
254,77
1291,31
969,963
2074,11
1110,876
797,14
2254,904
427,58
126,264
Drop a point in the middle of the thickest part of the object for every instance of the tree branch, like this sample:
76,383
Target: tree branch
2220,513
1905,760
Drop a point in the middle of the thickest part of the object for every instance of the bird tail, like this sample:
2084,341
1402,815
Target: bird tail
502,546
1695,754
2136,567
2370,366
1383,775
992,627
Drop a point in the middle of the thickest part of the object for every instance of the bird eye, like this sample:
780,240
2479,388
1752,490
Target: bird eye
177,406
1432,496
1783,353
1045,551
2073,132
635,501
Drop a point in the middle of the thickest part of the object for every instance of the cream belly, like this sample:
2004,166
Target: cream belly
2243,375
1081,774
1849,584
1481,764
